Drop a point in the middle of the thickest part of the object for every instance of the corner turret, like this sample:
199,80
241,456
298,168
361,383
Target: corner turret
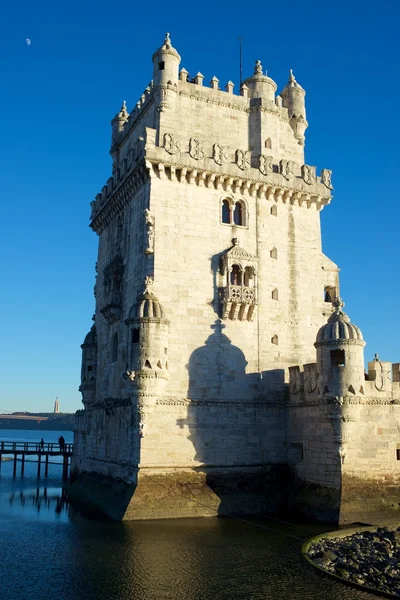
259,85
89,367
340,355
293,98
166,62
148,341
118,124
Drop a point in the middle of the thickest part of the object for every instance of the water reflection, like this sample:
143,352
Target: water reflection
52,499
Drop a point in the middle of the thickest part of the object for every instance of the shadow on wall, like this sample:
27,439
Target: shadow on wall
228,426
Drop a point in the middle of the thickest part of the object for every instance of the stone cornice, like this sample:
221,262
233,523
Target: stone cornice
270,187
104,210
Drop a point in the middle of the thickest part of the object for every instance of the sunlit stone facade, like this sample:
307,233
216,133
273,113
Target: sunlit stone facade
211,287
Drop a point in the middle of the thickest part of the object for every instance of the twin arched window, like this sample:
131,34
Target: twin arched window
233,213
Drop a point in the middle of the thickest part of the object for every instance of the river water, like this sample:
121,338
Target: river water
50,552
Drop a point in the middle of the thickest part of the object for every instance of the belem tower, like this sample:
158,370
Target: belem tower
221,374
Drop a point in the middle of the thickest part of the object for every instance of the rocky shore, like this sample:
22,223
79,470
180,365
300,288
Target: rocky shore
367,558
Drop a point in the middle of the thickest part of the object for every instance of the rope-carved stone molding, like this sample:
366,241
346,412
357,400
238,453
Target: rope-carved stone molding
245,186
134,171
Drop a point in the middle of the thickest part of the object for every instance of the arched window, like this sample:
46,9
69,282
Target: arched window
249,277
226,212
274,340
274,211
114,347
236,275
275,294
274,253
238,214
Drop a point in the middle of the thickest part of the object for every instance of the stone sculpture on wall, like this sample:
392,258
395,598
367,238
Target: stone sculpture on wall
196,148
265,164
242,159
309,174
171,145
326,178
220,154
286,168
149,218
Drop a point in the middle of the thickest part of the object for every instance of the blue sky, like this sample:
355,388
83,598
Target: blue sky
60,93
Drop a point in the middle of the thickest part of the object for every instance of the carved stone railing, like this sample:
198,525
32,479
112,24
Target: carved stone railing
238,302
240,293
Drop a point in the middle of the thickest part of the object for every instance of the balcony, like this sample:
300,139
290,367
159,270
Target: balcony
238,302
112,308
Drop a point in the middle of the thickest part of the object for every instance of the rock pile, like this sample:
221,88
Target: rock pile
367,558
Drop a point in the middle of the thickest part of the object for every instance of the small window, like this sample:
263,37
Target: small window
274,253
275,294
90,368
135,336
398,452
238,214
226,212
236,275
161,66
268,143
274,211
114,347
330,293
274,340
338,358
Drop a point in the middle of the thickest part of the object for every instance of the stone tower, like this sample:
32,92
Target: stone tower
211,282
56,406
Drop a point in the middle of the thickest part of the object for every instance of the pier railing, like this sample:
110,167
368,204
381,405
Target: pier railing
35,447
44,450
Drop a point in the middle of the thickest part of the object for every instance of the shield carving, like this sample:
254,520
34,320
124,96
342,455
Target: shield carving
310,378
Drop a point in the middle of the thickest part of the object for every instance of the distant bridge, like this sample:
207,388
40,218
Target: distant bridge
24,417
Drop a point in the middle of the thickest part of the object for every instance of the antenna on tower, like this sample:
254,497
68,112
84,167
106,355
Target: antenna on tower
240,62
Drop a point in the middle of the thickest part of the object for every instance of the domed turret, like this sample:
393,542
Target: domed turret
118,123
259,85
340,355
148,343
293,99
166,62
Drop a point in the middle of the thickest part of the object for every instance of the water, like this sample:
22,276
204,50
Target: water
48,551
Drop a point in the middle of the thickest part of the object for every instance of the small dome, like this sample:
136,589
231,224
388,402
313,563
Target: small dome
148,305
91,337
123,113
338,327
166,48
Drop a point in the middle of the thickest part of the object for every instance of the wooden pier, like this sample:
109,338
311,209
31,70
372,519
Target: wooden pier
42,451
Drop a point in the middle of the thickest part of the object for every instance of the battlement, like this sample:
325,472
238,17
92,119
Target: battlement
381,382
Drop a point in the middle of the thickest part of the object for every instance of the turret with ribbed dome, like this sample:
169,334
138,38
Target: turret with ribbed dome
340,355
148,344
260,85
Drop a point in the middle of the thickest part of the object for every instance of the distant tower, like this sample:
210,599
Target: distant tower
56,407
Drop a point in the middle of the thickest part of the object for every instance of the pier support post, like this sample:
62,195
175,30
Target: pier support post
39,465
15,465
46,467
22,465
